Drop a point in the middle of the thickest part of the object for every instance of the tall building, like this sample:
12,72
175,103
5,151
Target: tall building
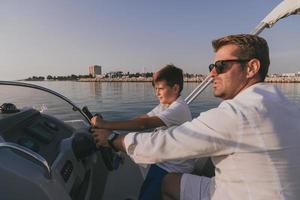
95,70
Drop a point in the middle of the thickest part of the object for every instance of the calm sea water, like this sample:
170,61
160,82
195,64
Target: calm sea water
114,100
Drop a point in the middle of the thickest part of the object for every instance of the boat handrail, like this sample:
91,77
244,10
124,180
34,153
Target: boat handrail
191,97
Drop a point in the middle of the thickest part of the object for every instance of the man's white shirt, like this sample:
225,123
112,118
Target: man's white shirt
254,141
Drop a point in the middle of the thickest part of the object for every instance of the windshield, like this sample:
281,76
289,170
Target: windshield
44,102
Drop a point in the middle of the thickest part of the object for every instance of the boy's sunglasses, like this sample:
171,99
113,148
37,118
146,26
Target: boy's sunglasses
221,65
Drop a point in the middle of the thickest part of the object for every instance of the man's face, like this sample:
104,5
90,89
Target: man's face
228,84
165,93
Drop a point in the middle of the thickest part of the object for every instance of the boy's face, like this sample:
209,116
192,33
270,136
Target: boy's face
165,93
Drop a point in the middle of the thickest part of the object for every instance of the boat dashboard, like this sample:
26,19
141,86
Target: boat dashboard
42,157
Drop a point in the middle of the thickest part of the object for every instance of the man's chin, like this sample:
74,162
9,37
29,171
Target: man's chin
217,94
162,102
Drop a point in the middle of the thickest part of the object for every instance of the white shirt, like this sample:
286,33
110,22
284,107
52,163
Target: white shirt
176,113
254,141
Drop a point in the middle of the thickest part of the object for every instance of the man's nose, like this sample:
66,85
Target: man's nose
213,72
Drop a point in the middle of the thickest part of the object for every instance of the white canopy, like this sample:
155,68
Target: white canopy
284,9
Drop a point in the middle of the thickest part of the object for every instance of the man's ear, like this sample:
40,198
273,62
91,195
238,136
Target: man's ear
253,68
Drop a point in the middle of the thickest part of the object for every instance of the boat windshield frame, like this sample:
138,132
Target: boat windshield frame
30,85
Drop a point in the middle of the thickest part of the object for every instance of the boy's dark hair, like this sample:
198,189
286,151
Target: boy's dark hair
171,74
251,46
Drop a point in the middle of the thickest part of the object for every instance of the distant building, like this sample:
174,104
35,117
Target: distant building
95,70
289,74
116,74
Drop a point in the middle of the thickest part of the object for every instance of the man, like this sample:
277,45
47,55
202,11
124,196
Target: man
253,136
172,110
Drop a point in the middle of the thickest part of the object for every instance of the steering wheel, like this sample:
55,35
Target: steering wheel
109,157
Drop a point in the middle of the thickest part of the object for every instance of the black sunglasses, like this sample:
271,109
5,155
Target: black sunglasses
221,65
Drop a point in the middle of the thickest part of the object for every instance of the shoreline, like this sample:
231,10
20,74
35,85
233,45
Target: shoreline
294,79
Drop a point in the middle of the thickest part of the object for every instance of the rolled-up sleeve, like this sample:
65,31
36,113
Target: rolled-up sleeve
213,133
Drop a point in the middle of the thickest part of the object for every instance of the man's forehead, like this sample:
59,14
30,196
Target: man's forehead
227,52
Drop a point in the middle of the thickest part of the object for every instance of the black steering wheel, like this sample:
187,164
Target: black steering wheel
108,155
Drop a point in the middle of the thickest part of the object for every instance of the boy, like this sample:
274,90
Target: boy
172,110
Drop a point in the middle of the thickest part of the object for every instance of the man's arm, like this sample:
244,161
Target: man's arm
140,123
190,140
174,143
202,137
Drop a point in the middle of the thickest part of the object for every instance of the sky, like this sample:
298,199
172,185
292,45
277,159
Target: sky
64,37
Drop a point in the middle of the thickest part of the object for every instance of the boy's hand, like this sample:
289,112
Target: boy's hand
97,121
100,136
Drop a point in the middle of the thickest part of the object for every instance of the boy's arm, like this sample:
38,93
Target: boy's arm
140,123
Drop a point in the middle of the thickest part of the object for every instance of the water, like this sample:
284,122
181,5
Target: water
123,100
114,100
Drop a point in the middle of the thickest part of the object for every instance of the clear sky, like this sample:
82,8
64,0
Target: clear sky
63,37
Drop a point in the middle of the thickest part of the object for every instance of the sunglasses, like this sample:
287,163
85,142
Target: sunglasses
221,65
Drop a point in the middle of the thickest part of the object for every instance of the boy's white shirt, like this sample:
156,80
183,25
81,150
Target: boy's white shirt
175,114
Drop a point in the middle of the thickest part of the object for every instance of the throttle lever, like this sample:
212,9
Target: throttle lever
87,112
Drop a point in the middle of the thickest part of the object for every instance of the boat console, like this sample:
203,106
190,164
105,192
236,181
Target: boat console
48,153
42,157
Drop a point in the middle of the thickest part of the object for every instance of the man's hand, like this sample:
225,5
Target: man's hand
97,122
100,137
